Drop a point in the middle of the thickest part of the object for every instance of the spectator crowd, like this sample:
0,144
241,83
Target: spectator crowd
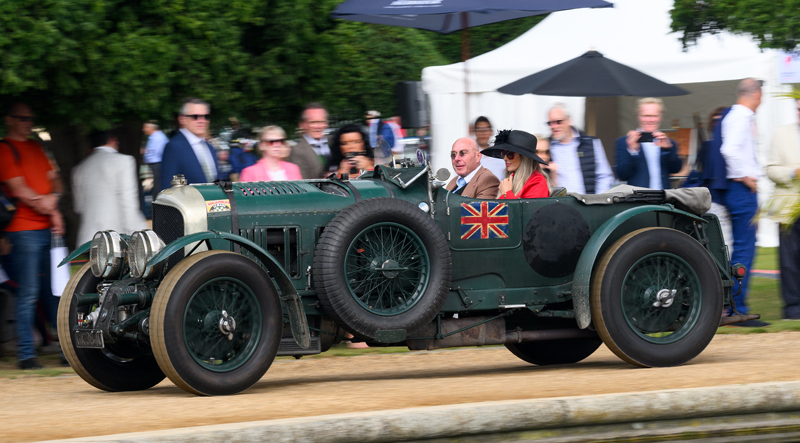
489,164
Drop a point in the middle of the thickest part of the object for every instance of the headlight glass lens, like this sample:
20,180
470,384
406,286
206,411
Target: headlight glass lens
144,246
107,254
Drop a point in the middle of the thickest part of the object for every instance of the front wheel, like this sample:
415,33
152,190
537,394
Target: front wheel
117,367
656,297
216,323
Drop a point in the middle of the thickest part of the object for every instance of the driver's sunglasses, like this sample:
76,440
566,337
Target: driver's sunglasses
462,153
205,117
24,118
508,154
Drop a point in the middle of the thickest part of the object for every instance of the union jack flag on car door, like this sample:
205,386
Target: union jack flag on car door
482,220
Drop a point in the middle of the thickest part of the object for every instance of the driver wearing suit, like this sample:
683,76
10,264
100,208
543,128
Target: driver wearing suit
473,180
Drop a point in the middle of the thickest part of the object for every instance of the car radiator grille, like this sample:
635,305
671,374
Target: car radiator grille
168,224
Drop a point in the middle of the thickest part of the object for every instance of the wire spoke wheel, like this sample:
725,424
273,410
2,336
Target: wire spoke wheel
222,324
656,297
382,264
661,298
216,323
387,269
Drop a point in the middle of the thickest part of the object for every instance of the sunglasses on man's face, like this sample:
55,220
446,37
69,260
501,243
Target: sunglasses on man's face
24,118
462,153
508,154
205,117
274,141
554,122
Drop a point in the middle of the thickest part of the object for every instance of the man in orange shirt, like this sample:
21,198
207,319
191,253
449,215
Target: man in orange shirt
28,177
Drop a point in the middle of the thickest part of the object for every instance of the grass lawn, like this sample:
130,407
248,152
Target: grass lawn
765,298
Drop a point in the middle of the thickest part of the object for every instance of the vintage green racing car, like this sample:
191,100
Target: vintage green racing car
234,274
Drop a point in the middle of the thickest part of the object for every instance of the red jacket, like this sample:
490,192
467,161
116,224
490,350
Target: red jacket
535,187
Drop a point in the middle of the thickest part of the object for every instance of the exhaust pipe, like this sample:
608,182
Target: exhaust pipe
490,333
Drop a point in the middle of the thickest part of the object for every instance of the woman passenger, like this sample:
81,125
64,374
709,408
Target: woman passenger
524,175
273,149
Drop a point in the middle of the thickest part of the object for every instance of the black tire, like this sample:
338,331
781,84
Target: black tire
186,323
556,352
118,367
627,307
409,249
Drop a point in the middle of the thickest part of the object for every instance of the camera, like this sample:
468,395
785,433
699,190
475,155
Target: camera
645,137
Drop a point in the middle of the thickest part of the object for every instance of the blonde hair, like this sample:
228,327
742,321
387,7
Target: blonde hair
263,132
650,101
527,167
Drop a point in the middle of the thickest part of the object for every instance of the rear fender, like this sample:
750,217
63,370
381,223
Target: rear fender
590,256
297,317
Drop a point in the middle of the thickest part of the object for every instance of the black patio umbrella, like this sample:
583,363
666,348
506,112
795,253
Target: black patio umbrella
446,16
591,75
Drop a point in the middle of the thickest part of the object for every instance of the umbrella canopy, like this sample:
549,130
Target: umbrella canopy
446,16
592,75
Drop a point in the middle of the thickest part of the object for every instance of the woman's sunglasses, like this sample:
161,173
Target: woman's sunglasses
508,154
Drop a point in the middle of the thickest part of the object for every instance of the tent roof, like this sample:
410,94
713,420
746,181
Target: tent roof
634,32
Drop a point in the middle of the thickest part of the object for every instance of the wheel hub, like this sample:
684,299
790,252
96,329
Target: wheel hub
665,298
227,324
391,269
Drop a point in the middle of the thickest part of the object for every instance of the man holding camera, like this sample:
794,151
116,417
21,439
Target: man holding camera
646,156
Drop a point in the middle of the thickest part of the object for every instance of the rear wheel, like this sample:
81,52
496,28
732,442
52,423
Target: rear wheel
117,367
555,352
656,297
216,323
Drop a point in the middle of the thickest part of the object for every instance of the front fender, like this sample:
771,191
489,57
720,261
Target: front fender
589,256
297,317
81,249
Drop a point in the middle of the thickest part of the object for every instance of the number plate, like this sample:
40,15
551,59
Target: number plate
89,338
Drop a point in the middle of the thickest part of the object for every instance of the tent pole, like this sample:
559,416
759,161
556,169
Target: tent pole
464,58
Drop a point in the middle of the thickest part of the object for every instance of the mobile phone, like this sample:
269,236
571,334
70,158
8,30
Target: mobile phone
645,137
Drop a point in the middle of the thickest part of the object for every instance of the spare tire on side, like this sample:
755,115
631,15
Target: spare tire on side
382,264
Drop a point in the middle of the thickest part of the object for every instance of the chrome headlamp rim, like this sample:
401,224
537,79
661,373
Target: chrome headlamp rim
144,245
107,254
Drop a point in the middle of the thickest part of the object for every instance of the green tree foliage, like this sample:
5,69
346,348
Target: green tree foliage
99,63
772,23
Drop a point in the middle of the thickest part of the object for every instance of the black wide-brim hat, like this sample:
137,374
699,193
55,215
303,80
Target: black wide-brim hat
520,142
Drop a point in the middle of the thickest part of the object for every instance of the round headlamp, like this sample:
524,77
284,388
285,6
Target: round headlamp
144,245
107,254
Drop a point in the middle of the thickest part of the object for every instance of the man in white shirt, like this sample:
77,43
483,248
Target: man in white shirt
106,190
738,148
156,140
581,159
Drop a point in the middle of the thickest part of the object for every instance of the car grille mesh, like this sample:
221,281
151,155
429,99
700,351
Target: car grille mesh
168,224
268,188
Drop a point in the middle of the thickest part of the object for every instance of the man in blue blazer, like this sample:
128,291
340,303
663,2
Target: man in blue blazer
645,161
187,152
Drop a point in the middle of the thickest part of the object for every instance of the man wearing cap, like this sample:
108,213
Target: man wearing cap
473,181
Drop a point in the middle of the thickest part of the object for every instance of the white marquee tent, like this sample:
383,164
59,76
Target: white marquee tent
635,33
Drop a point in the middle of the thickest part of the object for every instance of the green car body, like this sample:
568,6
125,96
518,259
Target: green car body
395,260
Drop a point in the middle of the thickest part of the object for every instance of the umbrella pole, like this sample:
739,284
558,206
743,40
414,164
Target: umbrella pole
464,58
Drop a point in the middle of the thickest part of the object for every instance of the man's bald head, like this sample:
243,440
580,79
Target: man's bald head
465,156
